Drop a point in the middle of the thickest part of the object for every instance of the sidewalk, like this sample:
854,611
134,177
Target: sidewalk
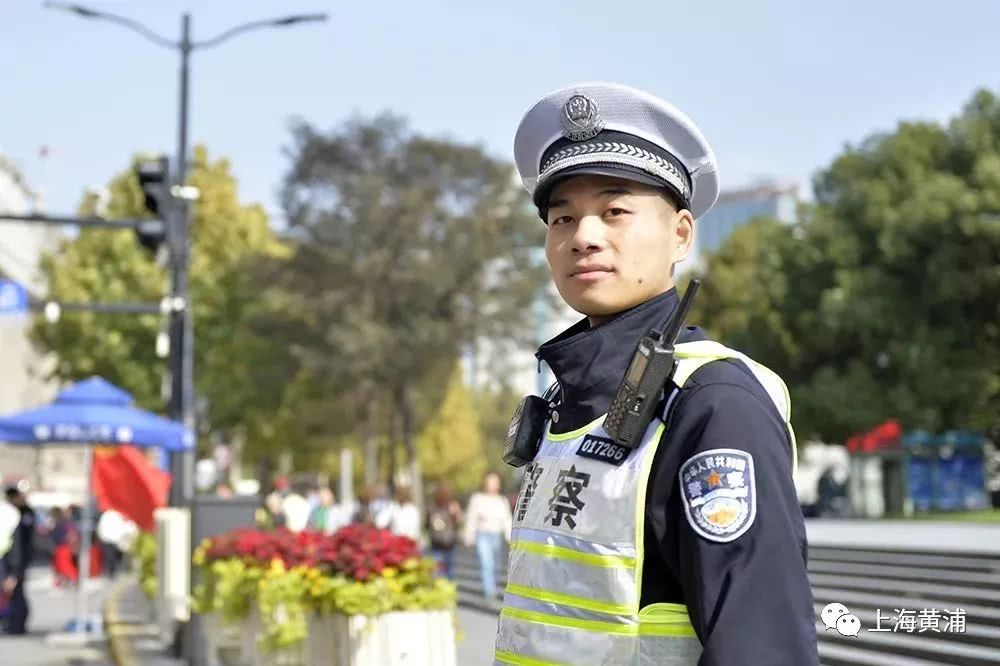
51,609
477,636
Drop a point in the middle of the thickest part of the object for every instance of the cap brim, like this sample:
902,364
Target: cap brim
541,195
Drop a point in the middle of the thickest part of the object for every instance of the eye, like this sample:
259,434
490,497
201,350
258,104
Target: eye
616,212
562,219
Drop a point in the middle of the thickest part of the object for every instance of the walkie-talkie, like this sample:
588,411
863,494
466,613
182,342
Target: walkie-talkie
651,368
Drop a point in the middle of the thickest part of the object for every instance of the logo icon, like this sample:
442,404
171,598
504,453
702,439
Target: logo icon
581,119
719,493
838,617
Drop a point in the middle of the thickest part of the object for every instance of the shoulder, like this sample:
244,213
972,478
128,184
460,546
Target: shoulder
723,405
726,383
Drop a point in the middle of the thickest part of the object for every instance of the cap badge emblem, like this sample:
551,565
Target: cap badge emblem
581,119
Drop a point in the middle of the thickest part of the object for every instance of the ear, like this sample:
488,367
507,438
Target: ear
683,234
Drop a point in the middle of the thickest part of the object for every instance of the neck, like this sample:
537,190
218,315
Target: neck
597,320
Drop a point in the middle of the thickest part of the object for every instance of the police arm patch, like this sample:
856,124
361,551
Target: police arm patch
719,493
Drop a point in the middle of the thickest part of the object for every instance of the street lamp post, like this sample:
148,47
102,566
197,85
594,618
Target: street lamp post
178,228
178,221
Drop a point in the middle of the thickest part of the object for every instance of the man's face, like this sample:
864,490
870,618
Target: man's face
611,243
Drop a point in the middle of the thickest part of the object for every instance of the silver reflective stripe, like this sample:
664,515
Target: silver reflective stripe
511,600
562,644
525,534
603,589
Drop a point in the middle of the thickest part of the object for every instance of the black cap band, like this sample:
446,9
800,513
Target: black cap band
612,153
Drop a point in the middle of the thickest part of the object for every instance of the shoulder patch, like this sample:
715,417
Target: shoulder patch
719,493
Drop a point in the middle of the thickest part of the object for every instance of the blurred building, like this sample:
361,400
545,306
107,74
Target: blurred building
22,368
734,209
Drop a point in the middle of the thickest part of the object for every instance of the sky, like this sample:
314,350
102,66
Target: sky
778,87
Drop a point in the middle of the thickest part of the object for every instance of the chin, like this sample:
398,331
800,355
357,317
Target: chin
592,306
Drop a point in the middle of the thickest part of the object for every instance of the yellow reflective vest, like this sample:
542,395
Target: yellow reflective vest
575,576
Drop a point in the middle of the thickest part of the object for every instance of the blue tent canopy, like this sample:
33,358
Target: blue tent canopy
94,411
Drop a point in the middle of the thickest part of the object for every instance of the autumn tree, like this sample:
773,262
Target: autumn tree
408,248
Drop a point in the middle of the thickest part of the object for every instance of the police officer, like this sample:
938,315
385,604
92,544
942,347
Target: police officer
689,548
14,565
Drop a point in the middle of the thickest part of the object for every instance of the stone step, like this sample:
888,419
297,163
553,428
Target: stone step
949,594
981,564
894,572
915,646
837,654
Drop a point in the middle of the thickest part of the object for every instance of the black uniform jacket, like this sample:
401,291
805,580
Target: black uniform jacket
749,598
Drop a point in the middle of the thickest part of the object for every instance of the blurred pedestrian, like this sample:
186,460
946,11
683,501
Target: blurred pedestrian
328,516
363,511
404,518
382,506
63,569
444,516
487,524
14,566
275,510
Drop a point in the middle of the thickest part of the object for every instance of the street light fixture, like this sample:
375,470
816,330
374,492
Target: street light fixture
135,26
181,336
178,222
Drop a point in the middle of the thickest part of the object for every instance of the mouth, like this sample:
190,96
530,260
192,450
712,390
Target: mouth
590,273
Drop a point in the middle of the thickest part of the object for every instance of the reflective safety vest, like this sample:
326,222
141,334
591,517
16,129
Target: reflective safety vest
576,555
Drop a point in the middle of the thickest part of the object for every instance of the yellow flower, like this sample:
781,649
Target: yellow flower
277,566
389,572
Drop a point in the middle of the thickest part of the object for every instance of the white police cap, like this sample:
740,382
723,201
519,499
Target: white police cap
612,129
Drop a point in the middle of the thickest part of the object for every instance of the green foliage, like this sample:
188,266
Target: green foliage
238,370
227,587
451,444
494,408
881,300
143,554
281,600
412,587
409,249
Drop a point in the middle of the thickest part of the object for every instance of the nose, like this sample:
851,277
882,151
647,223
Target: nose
588,237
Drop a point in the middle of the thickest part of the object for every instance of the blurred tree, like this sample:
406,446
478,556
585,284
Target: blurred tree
451,444
495,406
882,300
409,248
238,373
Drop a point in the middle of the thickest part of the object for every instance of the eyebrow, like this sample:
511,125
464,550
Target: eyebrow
554,203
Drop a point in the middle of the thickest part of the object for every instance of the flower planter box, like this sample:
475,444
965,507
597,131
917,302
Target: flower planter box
224,640
252,654
413,638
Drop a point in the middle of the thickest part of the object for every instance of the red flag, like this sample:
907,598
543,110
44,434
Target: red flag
127,482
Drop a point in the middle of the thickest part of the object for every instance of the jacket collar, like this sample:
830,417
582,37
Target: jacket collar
589,362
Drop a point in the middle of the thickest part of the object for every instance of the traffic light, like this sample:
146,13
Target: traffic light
154,179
